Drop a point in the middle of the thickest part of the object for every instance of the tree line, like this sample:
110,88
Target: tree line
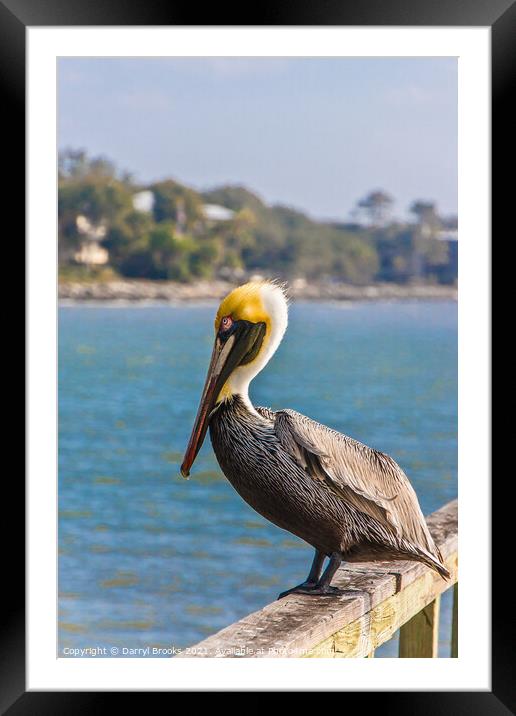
174,237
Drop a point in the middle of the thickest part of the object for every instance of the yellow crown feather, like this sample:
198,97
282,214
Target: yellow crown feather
245,303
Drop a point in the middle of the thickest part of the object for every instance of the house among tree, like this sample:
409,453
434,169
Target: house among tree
214,213
450,235
144,201
90,252
449,229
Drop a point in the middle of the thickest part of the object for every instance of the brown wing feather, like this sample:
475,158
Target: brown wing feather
369,480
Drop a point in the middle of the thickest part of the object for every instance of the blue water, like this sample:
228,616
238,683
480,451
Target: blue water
150,559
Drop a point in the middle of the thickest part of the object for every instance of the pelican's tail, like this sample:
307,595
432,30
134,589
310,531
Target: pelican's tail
436,563
442,570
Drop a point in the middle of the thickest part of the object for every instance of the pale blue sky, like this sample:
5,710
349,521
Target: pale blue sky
315,134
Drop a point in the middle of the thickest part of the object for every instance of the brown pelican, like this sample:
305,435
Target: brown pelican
349,501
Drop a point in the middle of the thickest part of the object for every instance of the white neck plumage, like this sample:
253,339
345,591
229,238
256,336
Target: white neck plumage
275,304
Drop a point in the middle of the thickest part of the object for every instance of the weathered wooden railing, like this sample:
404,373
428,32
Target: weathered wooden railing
376,600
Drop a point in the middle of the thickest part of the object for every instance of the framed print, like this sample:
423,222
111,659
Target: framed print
303,180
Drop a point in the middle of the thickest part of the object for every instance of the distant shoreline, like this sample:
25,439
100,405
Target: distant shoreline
135,291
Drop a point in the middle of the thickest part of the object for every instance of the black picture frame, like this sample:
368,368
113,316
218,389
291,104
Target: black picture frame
15,17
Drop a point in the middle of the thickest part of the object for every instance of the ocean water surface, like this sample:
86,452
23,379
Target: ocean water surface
148,559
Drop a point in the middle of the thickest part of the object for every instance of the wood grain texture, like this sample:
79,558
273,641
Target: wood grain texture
419,636
375,600
455,622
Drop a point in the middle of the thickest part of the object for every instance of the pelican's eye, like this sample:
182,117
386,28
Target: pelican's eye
226,324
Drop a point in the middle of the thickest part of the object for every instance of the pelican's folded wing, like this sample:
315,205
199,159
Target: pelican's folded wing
367,479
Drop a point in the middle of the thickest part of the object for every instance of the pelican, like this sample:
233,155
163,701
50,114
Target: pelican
348,501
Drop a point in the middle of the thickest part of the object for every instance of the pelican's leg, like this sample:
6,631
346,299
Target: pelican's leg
323,585
312,579
316,568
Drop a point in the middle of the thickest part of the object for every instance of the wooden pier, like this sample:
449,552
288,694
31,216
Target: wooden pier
376,600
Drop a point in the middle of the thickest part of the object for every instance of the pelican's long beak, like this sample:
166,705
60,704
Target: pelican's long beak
228,353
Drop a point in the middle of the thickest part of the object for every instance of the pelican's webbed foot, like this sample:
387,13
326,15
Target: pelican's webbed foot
314,590
304,588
